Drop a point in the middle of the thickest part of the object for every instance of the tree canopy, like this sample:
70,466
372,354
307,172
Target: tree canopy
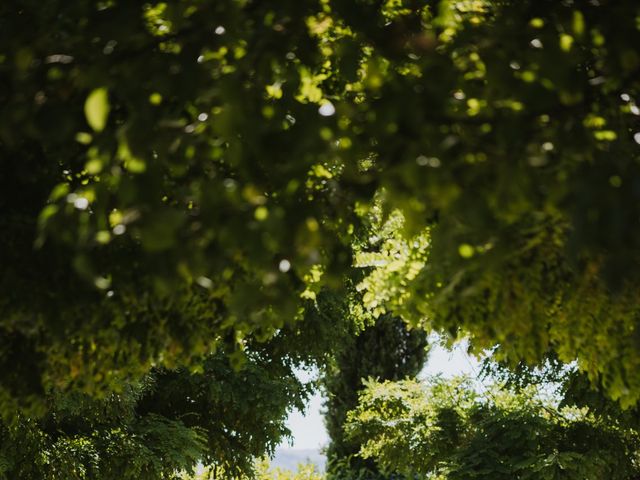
184,178
218,415
172,151
447,431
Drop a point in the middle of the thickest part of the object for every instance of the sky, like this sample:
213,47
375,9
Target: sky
308,428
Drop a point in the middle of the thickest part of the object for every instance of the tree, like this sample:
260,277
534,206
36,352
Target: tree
159,226
519,160
175,174
447,431
380,345
385,350
224,412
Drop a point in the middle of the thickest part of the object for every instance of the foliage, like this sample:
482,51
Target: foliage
446,430
386,350
82,440
147,186
178,176
515,169
139,173
391,262
263,472
221,415
381,346
568,385
304,472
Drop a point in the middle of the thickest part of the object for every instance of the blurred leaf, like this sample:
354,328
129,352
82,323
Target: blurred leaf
96,109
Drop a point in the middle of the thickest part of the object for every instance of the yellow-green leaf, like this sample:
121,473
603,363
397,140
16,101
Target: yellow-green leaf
96,109
566,42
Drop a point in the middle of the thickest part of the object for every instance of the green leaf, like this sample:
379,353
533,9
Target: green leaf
96,109
46,213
